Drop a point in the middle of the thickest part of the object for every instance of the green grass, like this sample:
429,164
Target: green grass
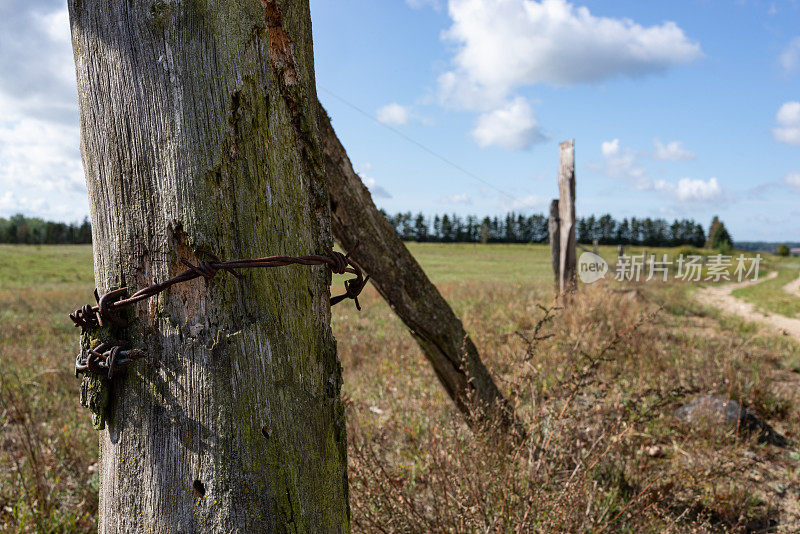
769,294
461,262
45,266
51,265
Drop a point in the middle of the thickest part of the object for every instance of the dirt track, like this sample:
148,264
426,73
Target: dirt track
720,297
793,287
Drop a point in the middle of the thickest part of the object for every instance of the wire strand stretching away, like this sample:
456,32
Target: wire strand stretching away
108,305
420,145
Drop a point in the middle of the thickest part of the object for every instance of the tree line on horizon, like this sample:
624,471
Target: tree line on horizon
519,228
22,230
513,228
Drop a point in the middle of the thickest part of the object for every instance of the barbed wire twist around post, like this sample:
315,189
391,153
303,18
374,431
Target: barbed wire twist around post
109,358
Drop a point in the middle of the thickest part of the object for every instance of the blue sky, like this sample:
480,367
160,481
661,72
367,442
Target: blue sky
679,109
684,94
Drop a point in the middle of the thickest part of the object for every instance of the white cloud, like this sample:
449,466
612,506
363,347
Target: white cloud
394,114
376,190
40,165
672,151
56,26
512,126
691,190
793,180
622,162
34,153
790,58
788,119
789,113
37,60
11,204
610,148
461,198
529,202
506,44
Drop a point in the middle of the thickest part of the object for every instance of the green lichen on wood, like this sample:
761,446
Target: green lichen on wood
94,397
161,11
95,392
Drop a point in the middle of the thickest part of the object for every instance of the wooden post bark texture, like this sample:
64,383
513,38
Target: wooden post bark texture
198,132
403,284
555,244
566,212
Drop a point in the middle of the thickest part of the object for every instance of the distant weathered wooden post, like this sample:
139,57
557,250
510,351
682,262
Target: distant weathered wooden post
595,246
566,216
555,244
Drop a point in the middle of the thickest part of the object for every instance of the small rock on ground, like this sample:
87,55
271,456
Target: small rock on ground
729,413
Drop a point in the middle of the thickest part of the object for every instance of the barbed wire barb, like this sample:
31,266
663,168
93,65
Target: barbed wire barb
109,358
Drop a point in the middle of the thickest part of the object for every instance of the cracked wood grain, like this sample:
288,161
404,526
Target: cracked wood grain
189,141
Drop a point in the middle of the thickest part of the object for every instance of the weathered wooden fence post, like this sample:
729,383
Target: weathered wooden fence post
555,244
199,132
400,280
566,216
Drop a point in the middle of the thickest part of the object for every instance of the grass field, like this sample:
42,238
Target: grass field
462,262
47,267
770,296
604,454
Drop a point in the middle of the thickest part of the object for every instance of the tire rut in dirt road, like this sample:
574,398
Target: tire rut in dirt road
793,287
720,297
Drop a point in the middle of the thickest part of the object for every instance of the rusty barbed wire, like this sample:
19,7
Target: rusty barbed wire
109,358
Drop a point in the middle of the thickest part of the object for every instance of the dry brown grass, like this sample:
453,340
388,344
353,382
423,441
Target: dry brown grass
47,446
603,451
